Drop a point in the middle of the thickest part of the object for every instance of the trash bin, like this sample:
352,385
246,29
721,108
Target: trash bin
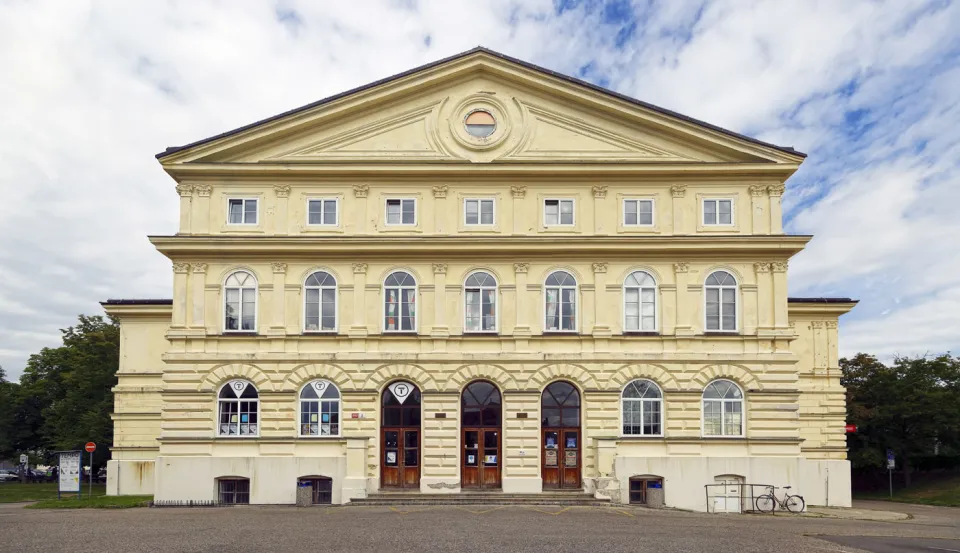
304,494
655,495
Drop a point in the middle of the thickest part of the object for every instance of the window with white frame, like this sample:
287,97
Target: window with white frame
721,302
640,302
637,213
242,211
560,299
558,212
480,297
642,409
400,302
722,409
717,212
478,212
402,211
240,303
320,409
238,409
320,303
322,212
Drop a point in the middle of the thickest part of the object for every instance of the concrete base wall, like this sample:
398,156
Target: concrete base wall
521,484
826,482
130,477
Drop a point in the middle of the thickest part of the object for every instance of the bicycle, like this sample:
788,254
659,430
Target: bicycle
768,502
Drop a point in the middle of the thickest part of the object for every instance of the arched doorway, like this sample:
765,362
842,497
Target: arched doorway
400,436
481,436
560,427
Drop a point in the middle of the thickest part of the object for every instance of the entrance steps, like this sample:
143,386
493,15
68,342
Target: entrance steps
563,499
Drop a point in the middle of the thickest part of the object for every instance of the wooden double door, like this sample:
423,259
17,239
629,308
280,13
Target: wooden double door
400,437
481,437
561,438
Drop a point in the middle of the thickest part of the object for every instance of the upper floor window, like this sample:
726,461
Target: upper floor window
320,409
242,211
642,409
240,303
238,409
717,212
322,212
400,303
721,302
402,211
480,309
639,302
722,409
558,212
320,302
478,212
637,213
560,298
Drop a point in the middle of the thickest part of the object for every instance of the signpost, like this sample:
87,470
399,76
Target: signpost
891,464
69,472
90,448
851,429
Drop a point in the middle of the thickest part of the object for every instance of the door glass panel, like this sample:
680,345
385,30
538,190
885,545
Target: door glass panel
411,417
570,440
550,440
410,439
391,417
410,457
472,439
491,417
490,439
470,457
571,417
490,457
471,416
551,417
391,439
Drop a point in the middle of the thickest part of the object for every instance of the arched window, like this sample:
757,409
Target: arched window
481,405
721,302
400,303
642,409
560,299
238,409
320,303
480,303
320,409
639,302
722,409
240,303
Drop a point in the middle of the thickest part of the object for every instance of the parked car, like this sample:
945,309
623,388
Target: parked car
7,475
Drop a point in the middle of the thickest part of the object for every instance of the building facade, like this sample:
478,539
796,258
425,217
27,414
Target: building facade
479,274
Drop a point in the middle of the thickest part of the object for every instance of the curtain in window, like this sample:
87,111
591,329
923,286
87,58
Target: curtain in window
553,315
391,309
409,308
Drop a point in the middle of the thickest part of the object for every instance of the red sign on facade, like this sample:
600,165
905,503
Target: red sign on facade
851,428
90,447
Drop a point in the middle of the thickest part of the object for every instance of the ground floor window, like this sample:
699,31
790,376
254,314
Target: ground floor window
322,490
639,488
234,491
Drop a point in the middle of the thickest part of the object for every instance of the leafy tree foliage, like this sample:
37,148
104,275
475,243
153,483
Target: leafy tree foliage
911,406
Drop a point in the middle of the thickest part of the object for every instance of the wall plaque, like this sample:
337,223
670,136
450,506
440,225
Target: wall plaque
439,415
521,415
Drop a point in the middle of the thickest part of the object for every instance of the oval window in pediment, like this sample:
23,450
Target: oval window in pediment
480,124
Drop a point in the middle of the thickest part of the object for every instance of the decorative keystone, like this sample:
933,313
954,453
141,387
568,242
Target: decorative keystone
521,267
359,268
678,190
440,191
361,190
519,191
282,190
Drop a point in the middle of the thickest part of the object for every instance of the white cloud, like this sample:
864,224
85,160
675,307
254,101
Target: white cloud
91,90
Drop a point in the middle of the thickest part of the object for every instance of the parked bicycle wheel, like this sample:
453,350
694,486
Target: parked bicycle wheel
766,503
794,503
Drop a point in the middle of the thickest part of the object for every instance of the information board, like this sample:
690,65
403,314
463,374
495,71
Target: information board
70,471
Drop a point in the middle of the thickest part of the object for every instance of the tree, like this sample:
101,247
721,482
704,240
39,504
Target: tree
8,399
911,407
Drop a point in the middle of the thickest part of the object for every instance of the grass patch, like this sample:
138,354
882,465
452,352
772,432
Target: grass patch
16,492
943,493
96,502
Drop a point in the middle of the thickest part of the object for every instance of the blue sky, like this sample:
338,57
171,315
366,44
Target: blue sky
91,90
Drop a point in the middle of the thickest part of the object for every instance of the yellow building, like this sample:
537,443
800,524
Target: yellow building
479,274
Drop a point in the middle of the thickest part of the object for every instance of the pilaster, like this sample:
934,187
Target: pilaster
678,191
522,328
278,307
764,296
201,209
359,329
178,318
197,286
779,269
519,197
186,200
776,209
684,326
602,223
759,209
281,222
440,328
440,210
360,193
601,326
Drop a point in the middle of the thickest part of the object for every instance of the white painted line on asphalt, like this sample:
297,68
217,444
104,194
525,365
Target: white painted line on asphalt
942,549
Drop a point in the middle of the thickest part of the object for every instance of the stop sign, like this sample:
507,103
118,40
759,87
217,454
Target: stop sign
851,428
90,447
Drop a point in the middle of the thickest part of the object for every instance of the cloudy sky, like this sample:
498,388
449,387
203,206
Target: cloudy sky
90,91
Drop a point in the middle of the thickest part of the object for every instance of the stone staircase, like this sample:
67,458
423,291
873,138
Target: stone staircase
558,498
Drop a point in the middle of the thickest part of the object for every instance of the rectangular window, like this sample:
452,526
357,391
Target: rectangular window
322,212
402,212
235,492
637,213
478,212
242,211
717,212
558,213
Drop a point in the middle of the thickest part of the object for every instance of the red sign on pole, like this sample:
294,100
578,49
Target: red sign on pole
90,447
851,428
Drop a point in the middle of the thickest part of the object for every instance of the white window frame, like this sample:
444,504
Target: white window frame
733,212
723,412
656,303
383,303
496,303
736,302
386,214
659,400
323,224
243,199
576,299
256,304
653,212
236,400
336,303
479,223
301,401
573,212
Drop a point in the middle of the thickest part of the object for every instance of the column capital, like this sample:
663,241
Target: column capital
203,190
681,267
282,190
518,191
278,267
779,266
678,190
599,191
600,267
181,268
439,268
440,191
776,189
761,267
361,190
185,190
199,267
359,268
830,324
758,190
521,268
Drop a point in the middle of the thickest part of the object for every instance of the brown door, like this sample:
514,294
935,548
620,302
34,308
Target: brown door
561,437
480,459
400,437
